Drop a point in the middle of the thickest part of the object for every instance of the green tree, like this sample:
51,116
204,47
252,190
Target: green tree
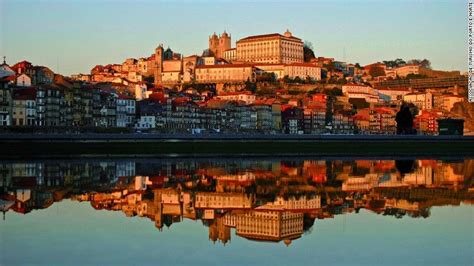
333,92
287,79
308,51
330,66
266,77
250,86
424,63
376,72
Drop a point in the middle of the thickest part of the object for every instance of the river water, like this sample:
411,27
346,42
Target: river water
237,211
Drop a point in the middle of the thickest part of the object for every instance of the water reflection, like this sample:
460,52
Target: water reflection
262,200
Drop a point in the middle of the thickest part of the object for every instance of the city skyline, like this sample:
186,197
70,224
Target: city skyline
353,37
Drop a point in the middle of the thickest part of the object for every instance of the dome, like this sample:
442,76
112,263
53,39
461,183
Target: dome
287,33
225,34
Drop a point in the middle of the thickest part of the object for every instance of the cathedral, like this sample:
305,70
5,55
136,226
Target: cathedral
219,44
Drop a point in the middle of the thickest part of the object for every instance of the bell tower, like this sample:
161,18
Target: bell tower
214,43
224,44
158,64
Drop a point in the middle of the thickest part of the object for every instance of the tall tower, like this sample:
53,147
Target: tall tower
214,43
158,64
224,44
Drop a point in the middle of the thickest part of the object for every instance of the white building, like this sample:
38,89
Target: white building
230,55
270,48
293,70
23,80
225,73
421,100
244,96
356,91
125,111
270,225
141,91
5,70
223,200
146,122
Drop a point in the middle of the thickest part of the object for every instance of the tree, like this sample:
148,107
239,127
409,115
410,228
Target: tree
394,63
266,77
376,72
333,92
425,63
404,119
330,67
415,76
250,86
400,62
308,51
287,79
314,91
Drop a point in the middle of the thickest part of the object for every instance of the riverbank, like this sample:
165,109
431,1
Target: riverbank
67,145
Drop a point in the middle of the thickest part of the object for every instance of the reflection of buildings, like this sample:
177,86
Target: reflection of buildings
302,203
262,200
270,225
367,182
219,231
218,200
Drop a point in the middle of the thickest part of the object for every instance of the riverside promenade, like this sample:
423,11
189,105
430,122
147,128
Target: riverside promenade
60,145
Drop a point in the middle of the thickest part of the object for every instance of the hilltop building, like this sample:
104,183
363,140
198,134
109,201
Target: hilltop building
270,48
219,44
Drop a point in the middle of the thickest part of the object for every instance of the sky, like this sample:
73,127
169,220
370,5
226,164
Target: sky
72,36
73,233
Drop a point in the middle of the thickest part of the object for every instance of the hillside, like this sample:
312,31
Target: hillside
466,111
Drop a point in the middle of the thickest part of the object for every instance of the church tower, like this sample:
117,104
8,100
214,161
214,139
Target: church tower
158,64
214,43
224,44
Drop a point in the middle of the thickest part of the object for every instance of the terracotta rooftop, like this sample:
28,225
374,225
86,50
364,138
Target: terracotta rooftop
236,93
125,97
24,94
225,66
271,35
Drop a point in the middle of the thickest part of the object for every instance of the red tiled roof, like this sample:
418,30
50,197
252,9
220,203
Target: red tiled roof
384,110
236,93
454,96
24,94
24,62
225,66
360,117
302,64
125,97
378,64
285,107
266,101
271,35
355,85
181,100
394,89
9,78
158,96
316,106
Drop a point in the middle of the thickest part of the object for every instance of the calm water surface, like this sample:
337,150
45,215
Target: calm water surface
255,211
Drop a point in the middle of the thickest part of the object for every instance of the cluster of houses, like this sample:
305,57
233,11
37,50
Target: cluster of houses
63,102
168,92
